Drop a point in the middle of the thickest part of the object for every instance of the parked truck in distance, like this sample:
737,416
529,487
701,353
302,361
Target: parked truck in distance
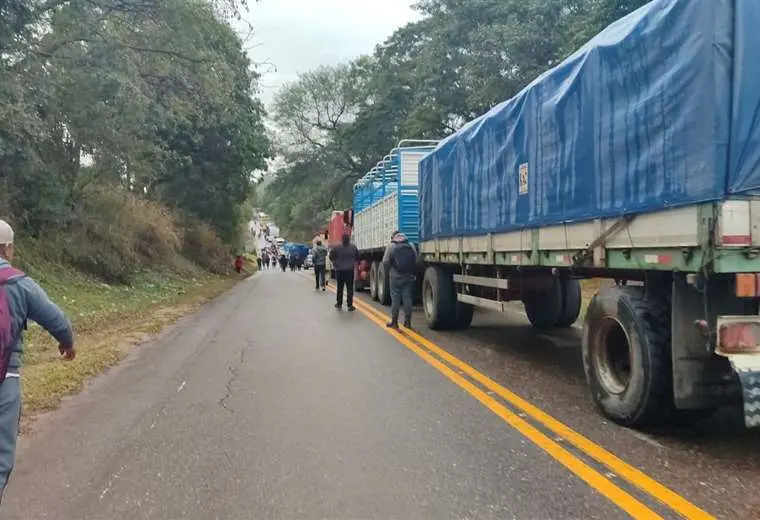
637,159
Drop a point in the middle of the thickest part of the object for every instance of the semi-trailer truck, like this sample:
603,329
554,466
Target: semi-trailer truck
636,159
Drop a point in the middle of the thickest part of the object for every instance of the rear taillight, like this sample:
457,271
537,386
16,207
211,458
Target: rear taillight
738,335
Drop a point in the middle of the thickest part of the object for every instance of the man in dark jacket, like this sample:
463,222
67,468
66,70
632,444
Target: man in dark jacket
344,258
400,260
26,301
319,257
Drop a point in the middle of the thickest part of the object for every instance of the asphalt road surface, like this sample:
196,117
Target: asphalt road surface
270,403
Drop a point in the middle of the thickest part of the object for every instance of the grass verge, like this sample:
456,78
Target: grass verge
107,319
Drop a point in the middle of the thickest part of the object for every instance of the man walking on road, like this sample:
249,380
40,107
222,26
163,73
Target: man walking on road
400,260
319,258
344,258
21,300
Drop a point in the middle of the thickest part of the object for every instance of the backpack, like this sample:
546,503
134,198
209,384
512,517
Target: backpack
404,259
7,338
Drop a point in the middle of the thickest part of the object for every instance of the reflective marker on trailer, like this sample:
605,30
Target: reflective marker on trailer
738,335
658,259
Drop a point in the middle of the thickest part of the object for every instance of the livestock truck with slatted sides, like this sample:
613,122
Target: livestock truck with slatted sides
636,159
385,200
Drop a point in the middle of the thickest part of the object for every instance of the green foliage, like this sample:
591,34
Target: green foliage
424,82
120,102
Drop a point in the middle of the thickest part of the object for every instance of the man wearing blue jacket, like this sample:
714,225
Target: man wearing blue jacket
26,301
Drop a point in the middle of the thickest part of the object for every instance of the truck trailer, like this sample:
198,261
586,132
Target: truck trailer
386,200
636,159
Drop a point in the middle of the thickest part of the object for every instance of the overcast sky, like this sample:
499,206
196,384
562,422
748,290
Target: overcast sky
297,35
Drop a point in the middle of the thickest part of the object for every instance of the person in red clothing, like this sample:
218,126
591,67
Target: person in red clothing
239,263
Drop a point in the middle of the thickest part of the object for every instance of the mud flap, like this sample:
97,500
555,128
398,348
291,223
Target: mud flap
748,369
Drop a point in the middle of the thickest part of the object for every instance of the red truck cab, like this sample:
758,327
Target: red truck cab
342,223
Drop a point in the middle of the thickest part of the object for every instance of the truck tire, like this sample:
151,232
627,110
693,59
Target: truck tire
373,281
383,286
463,314
571,302
544,308
439,299
626,355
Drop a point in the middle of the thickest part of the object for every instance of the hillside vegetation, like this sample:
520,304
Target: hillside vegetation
129,131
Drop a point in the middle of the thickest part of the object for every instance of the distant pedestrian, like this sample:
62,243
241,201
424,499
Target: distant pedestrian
283,262
239,264
400,260
21,299
258,262
344,258
319,258
265,260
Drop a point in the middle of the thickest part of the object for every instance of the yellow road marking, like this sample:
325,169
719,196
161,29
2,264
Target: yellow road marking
633,475
592,477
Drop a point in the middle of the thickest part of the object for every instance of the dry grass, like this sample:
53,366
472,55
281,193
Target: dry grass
107,320
203,246
116,233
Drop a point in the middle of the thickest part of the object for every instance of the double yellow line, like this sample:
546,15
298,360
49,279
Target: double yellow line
475,383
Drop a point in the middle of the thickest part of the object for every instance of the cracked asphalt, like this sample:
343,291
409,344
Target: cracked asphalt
269,403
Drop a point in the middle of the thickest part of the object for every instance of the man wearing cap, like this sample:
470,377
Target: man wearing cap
400,262
26,301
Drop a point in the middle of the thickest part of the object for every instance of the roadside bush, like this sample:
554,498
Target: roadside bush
115,234
204,247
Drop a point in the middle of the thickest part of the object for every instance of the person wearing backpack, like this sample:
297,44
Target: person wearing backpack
319,258
400,261
21,299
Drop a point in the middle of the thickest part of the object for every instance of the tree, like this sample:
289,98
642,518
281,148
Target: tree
157,96
323,152
425,81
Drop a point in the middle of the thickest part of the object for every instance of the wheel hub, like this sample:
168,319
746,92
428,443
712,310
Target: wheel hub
427,300
611,353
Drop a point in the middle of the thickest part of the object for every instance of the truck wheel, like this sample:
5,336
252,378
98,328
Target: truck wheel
571,302
463,314
439,298
373,281
626,355
383,286
544,307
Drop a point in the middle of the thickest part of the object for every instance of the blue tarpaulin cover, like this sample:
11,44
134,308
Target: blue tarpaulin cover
661,109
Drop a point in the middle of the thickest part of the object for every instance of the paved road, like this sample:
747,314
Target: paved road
271,404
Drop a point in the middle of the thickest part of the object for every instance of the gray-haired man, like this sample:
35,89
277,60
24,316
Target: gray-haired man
23,300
